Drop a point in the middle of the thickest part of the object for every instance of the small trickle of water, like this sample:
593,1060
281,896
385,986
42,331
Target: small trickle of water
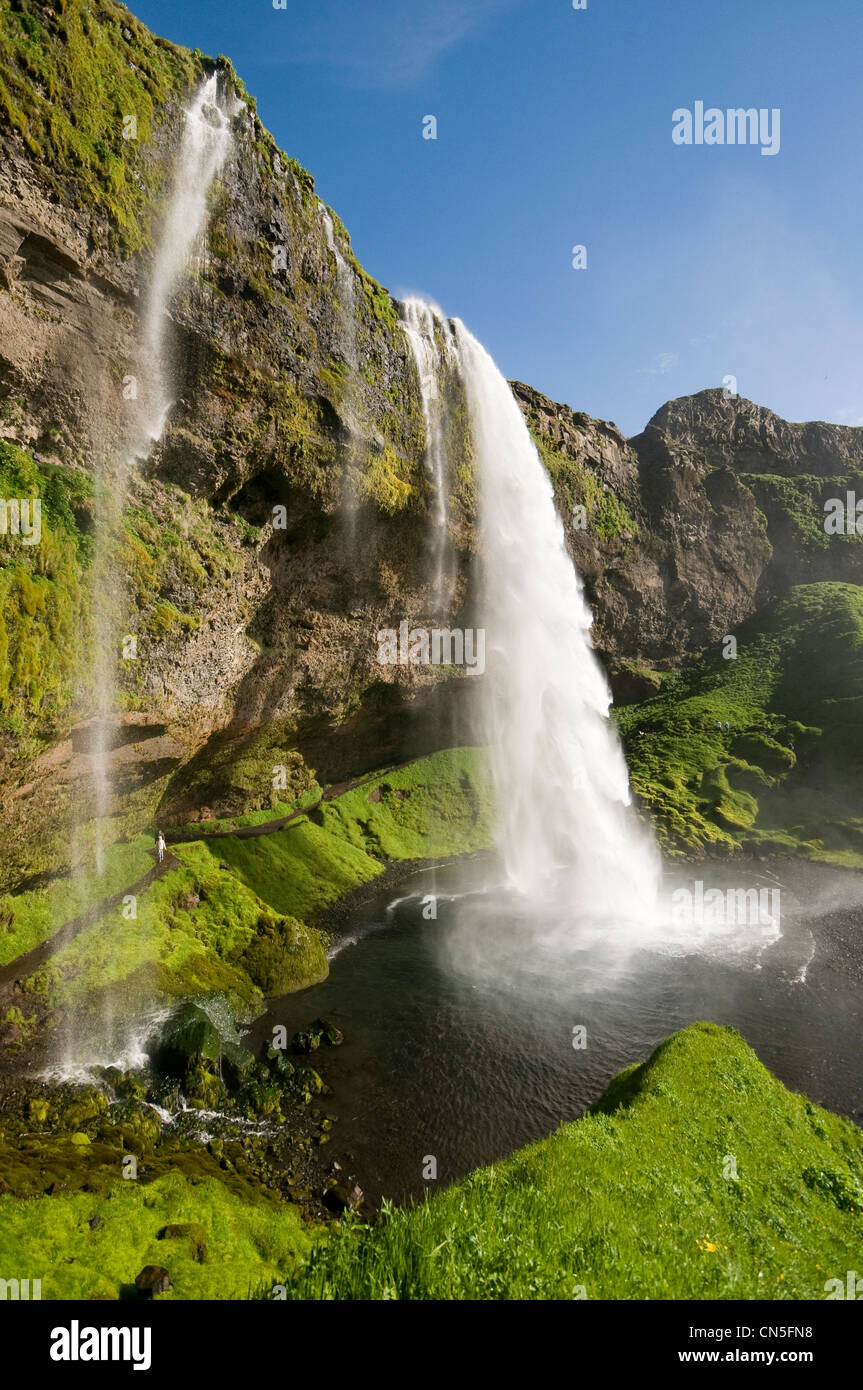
431,343
205,144
346,293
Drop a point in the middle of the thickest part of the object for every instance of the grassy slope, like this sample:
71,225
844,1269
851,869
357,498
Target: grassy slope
630,1201
28,918
228,941
786,777
248,935
438,806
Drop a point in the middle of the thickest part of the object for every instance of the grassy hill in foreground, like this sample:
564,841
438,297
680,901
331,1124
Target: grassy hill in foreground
632,1200
785,777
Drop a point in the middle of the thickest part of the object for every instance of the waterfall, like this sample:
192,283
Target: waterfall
204,146
425,329
203,150
346,304
345,290
568,835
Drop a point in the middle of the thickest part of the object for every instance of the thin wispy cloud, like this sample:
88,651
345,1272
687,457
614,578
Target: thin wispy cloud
661,365
385,44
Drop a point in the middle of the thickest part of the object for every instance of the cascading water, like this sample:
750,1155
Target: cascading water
568,836
422,326
204,148
346,303
205,144
346,291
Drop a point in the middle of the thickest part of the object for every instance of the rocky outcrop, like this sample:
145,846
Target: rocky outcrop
685,531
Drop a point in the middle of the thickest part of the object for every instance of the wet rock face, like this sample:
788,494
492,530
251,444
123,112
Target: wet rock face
722,512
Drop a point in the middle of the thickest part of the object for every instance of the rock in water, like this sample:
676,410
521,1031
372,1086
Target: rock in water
341,1197
196,1032
330,1034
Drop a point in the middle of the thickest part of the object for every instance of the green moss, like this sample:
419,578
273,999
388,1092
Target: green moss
794,507
44,606
786,776
28,918
199,930
68,86
438,806
246,780
634,1200
387,481
575,485
228,1240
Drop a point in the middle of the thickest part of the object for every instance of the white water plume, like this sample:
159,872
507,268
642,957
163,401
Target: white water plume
425,331
204,148
568,835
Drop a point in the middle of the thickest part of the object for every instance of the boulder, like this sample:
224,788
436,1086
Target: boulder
152,1279
198,1031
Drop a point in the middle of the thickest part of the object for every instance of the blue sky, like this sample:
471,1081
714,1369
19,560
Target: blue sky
554,129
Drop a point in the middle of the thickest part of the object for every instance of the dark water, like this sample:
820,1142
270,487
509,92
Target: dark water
460,1030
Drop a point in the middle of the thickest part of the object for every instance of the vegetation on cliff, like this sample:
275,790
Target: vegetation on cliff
44,613
784,777
69,87
237,916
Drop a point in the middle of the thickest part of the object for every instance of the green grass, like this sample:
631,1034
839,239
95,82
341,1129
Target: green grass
247,1241
28,918
238,916
436,807
631,1201
228,941
786,777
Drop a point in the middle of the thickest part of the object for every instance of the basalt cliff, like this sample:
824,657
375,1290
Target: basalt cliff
295,392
